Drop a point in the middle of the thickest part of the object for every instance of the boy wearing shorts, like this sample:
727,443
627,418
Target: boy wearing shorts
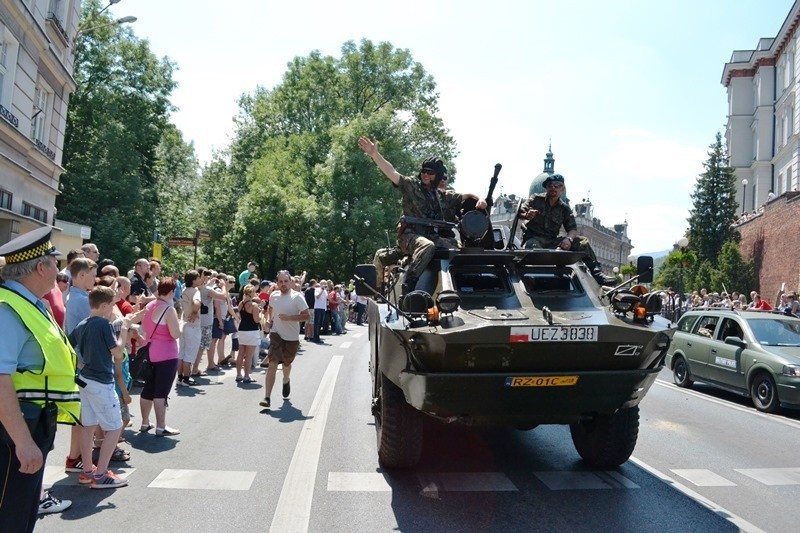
286,309
99,349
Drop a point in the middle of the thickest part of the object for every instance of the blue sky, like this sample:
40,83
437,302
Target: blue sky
628,92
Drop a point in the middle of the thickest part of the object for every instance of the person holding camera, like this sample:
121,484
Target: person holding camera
421,198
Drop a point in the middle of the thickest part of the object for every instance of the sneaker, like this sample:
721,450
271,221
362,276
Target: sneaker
286,389
167,432
109,480
86,477
187,380
50,504
73,465
264,402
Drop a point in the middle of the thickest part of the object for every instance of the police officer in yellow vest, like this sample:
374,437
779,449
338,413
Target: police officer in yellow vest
37,376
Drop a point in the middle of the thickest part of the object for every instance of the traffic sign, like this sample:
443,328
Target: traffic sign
180,241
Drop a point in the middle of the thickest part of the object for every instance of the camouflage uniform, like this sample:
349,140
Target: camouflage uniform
384,260
420,242
542,231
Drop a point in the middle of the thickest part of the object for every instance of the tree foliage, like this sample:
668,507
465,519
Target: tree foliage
115,123
732,272
714,205
305,197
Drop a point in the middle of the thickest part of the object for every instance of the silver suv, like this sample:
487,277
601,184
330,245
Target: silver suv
752,353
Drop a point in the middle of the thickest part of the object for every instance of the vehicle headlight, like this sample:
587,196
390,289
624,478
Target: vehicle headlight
448,301
791,370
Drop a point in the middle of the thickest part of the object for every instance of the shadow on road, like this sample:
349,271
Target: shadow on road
286,413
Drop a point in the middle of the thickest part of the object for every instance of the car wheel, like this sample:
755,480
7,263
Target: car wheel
680,373
764,393
607,441
399,428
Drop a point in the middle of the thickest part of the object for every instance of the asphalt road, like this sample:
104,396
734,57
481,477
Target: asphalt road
704,462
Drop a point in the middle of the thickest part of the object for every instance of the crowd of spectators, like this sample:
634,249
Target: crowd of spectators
787,304
184,320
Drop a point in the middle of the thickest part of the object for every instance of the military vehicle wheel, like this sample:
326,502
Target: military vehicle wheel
764,393
607,441
399,428
680,373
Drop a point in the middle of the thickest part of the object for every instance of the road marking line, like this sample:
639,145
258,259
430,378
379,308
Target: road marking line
357,335
720,511
772,476
294,505
752,411
701,477
358,482
170,478
566,480
346,344
465,482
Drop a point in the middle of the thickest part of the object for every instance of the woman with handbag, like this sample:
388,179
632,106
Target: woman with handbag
163,329
249,333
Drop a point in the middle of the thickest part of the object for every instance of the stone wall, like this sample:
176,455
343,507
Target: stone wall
772,240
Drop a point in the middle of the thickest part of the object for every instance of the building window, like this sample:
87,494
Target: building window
56,10
788,179
8,65
40,125
5,199
32,211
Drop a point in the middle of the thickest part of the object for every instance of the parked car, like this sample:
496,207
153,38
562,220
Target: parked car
752,353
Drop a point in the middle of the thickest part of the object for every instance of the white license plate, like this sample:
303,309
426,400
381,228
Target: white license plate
554,334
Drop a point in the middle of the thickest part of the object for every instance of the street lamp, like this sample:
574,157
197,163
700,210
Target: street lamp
744,193
122,20
682,243
110,3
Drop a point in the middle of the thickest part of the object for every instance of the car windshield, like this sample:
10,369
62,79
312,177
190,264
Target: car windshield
776,331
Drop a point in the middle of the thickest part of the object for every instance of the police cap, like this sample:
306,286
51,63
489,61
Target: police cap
29,246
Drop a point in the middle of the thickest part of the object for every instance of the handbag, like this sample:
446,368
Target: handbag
141,368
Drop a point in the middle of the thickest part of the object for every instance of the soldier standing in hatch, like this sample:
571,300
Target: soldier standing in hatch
420,198
545,215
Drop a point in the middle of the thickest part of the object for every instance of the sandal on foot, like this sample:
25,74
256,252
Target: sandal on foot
145,428
120,455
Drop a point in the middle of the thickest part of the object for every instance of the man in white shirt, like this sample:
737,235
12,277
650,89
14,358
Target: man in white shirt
320,306
286,309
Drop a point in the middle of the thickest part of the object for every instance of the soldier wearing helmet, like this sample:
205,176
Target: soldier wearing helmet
421,198
545,215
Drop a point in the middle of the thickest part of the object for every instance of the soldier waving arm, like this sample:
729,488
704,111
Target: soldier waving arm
371,149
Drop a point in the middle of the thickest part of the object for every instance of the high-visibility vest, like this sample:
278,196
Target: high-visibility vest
55,383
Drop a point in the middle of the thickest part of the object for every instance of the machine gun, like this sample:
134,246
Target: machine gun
488,240
430,222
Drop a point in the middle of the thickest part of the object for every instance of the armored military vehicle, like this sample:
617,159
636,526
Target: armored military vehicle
495,335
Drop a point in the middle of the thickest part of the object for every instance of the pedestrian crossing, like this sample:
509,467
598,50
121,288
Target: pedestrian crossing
436,482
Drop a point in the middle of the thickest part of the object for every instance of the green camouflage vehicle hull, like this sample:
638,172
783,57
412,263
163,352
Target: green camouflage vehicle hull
534,340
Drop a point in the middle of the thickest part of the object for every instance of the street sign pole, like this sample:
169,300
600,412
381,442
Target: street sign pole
196,235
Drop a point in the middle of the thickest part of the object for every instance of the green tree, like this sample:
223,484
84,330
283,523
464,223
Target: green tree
115,121
677,270
702,277
714,205
178,179
732,272
310,199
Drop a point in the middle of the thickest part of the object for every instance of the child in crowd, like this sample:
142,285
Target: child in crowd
99,349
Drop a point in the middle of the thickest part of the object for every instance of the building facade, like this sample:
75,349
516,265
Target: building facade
611,245
36,65
762,128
